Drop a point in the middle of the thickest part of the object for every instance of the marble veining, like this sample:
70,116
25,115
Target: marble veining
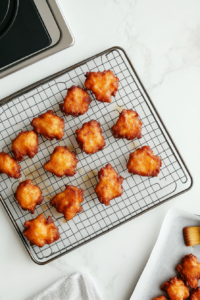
162,39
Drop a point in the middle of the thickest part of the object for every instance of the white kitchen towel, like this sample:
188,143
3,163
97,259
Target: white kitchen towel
75,287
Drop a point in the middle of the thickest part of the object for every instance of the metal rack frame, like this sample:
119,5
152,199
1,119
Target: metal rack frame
140,194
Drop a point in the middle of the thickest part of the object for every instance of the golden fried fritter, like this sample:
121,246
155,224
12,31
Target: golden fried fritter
195,294
103,84
90,138
9,166
76,102
176,289
189,270
144,163
160,298
62,162
68,202
26,143
28,195
49,125
109,186
41,231
128,126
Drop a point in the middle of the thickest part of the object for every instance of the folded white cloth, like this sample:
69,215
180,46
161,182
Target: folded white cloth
75,287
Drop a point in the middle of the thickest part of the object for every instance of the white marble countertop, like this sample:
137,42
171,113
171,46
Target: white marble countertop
162,39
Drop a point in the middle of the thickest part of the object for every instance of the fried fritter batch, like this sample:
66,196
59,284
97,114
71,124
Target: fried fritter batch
189,273
128,126
62,162
49,125
9,166
109,186
89,137
76,102
68,202
26,143
28,195
41,231
104,84
160,298
144,163
189,270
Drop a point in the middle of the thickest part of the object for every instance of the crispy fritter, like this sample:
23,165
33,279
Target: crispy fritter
90,138
28,195
76,102
49,125
176,289
103,84
62,162
26,143
9,166
41,231
68,202
189,270
160,298
144,163
128,126
109,186
195,294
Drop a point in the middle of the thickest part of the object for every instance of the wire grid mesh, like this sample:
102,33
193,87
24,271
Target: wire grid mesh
140,193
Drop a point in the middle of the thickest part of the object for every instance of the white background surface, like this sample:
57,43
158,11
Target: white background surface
162,39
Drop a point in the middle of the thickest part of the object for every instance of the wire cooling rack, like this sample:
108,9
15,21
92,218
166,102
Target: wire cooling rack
140,193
